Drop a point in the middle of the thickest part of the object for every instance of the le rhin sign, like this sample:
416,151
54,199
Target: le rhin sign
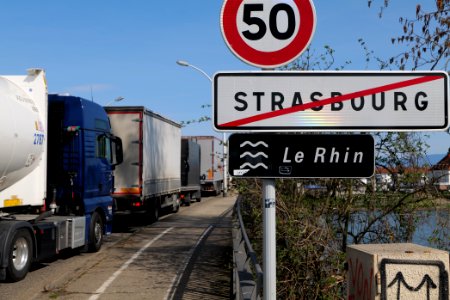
301,155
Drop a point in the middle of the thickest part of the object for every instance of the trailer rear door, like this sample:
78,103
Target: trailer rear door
128,175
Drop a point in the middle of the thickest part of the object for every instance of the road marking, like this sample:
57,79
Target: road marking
176,280
341,98
108,282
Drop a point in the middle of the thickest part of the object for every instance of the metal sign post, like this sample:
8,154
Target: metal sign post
256,34
269,240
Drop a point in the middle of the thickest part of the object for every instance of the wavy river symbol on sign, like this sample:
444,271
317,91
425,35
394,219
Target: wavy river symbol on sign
254,166
254,155
247,153
254,144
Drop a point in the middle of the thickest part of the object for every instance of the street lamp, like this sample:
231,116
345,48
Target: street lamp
224,139
114,100
186,64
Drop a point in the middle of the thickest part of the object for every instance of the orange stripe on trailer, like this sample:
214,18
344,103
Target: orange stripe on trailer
122,191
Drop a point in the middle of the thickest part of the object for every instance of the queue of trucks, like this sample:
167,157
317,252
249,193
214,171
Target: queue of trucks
211,164
190,171
68,165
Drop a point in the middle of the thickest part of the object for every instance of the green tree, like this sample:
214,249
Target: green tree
425,38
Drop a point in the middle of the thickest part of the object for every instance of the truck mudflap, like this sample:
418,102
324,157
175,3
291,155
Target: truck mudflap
8,228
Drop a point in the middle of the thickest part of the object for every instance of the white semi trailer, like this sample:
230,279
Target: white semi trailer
148,180
211,164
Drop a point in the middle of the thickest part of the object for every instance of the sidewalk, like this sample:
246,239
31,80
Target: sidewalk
211,274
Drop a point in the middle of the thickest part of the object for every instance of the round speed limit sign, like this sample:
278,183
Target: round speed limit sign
268,33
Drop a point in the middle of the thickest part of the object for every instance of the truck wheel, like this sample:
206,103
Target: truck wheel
96,232
153,211
20,255
198,199
187,199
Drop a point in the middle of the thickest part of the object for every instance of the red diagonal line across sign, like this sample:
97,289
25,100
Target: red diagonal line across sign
342,98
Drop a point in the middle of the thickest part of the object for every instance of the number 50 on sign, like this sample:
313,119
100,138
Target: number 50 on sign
267,33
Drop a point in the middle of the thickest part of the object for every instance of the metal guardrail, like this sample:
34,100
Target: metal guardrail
247,273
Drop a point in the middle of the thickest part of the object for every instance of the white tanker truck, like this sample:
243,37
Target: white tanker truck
21,125
57,156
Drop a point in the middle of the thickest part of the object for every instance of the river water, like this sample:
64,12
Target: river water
432,228
433,224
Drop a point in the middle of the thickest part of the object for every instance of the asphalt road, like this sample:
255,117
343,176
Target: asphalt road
186,255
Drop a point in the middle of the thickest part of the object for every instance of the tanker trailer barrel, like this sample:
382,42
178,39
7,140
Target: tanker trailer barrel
21,132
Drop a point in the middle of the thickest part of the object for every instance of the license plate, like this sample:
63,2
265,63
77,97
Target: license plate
12,202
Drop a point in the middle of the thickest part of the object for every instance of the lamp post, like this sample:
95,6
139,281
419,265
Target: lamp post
224,138
118,99
186,64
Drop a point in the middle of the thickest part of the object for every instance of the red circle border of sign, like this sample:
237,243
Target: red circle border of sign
268,59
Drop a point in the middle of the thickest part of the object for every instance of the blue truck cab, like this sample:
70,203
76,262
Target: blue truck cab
82,153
